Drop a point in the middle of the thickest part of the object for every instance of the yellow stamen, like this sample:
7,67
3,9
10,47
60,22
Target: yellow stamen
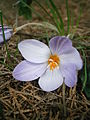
53,61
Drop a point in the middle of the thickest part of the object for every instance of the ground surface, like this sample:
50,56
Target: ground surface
25,100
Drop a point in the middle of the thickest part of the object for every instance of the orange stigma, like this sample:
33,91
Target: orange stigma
53,61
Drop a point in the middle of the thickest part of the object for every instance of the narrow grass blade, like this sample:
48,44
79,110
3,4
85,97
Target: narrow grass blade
72,23
4,35
54,17
47,38
44,9
85,70
68,17
58,14
78,20
6,65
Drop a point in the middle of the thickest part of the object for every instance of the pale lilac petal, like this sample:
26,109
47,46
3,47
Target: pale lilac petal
8,33
73,57
51,80
26,71
69,74
34,51
60,45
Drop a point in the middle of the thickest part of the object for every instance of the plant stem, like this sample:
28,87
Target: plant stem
17,16
47,38
64,103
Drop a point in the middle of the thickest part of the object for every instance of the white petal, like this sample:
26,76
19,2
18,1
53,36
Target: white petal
27,71
34,51
73,57
51,80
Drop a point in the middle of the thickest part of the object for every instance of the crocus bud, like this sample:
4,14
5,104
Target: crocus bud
8,31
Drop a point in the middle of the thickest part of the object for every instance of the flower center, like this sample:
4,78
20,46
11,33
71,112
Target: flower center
53,61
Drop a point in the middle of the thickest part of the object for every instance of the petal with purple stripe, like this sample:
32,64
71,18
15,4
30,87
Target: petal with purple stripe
60,45
8,33
73,57
69,74
26,71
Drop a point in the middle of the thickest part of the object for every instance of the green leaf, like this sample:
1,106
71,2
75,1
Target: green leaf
24,10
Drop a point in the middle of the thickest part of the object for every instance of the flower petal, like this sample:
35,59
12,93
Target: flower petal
51,80
72,57
26,71
34,51
69,74
8,33
60,45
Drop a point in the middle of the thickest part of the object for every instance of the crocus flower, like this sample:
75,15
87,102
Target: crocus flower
54,65
7,31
